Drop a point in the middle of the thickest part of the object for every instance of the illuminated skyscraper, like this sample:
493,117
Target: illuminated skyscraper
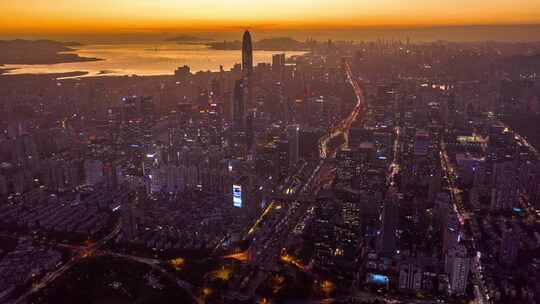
247,54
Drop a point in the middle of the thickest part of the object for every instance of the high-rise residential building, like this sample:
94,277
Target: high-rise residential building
93,171
293,135
504,194
25,151
3,185
247,54
509,246
458,266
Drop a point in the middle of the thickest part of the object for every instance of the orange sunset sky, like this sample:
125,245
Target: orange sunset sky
107,16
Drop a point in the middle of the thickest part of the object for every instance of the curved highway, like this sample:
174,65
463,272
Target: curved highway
343,127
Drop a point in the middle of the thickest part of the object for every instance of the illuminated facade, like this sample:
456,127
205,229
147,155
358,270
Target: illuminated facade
237,196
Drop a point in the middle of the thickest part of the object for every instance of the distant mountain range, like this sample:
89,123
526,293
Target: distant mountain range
38,52
271,44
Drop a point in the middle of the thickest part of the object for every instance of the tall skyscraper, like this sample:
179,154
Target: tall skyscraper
293,135
247,54
239,106
387,237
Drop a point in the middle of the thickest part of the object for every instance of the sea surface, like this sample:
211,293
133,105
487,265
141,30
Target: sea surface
144,59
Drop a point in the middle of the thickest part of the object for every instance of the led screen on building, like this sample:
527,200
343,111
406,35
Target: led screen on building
378,279
237,196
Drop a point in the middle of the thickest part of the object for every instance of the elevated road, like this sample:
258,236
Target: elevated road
51,276
342,129
267,248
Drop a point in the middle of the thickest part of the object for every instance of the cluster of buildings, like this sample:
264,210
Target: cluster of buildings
24,263
76,215
427,192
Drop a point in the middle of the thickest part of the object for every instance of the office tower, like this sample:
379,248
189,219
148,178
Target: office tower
109,175
410,276
278,62
239,106
309,143
387,236
147,109
183,71
358,135
458,265
240,192
435,185
247,70
293,135
216,89
157,180
345,169
128,109
247,54
175,180
422,142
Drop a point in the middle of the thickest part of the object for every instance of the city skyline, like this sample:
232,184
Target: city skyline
120,16
272,151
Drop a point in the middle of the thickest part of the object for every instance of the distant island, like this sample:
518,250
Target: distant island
186,39
39,52
271,44
49,75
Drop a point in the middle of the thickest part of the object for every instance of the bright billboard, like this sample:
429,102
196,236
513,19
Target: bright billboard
237,196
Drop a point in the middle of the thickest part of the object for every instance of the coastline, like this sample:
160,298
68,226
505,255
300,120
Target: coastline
74,74
60,58
28,52
135,59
